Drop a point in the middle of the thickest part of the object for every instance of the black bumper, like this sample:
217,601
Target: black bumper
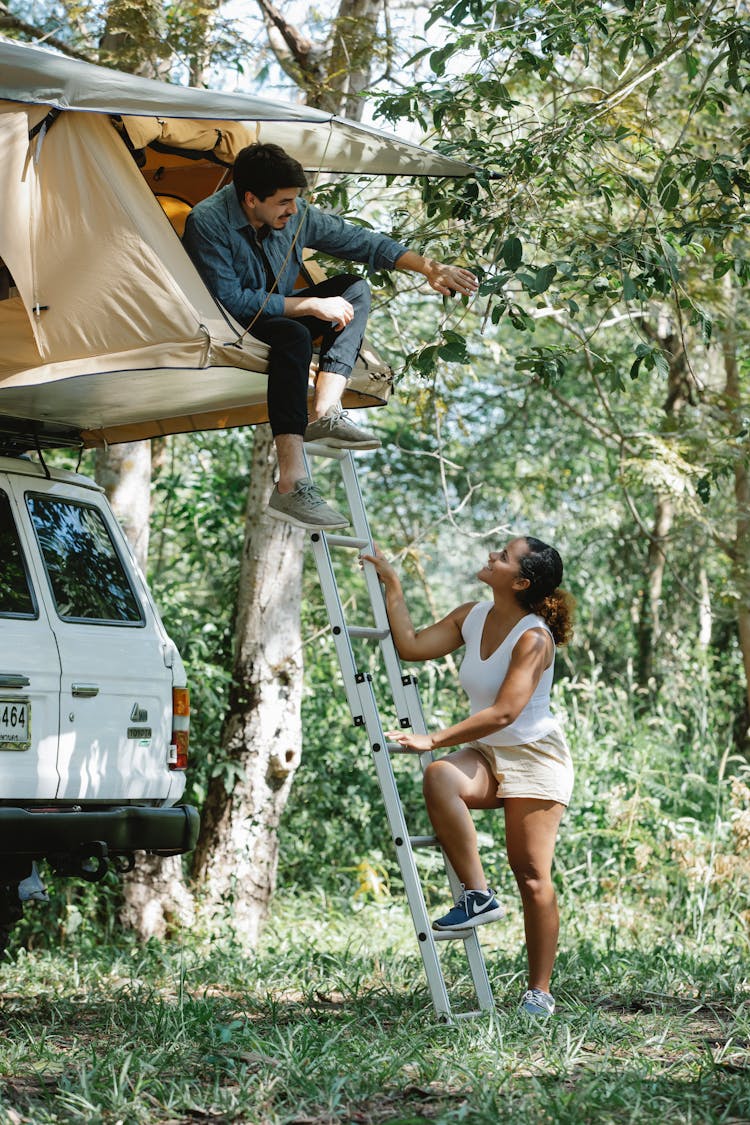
45,832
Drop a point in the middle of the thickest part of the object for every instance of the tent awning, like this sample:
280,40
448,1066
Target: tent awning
38,76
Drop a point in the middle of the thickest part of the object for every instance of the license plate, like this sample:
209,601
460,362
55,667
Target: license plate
15,722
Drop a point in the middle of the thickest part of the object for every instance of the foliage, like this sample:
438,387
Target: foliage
612,169
177,39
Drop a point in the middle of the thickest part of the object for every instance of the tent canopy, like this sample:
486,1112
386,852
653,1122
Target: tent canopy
109,332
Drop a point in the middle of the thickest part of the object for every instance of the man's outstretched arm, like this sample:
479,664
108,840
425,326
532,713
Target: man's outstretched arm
443,279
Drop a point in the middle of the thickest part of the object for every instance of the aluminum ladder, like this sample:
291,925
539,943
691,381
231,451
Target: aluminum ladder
360,695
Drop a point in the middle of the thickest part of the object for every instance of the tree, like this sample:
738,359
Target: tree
237,853
620,156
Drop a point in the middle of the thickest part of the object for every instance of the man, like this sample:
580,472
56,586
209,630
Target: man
247,242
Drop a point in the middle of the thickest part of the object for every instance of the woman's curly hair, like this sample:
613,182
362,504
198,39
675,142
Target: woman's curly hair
544,569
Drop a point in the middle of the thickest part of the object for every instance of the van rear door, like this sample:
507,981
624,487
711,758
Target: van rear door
29,669
116,690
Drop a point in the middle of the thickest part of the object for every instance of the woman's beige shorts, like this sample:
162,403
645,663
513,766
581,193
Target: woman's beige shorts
541,769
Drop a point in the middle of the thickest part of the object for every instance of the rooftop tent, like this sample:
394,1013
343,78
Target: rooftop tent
108,330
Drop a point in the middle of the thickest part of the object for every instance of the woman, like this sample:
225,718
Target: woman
514,754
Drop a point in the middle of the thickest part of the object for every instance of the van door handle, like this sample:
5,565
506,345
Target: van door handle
85,691
11,680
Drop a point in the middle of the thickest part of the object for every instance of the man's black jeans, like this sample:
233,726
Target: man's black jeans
291,342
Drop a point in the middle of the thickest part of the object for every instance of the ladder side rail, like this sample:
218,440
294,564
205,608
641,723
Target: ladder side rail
335,610
362,530
328,577
364,710
474,954
404,853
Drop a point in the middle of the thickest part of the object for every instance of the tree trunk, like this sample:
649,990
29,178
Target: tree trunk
155,896
680,391
237,852
649,626
353,37
741,546
124,472
706,616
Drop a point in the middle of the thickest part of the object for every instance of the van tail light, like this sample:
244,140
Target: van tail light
178,751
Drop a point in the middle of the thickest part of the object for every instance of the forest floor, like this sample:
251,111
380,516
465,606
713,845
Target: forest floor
329,1022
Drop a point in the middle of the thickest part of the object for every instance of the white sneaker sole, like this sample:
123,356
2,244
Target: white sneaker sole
478,920
342,443
275,514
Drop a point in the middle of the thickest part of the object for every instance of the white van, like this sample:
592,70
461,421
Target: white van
94,711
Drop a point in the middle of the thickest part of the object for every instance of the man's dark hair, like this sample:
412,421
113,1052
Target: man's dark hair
264,169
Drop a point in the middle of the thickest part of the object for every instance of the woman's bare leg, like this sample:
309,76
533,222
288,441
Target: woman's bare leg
531,831
453,785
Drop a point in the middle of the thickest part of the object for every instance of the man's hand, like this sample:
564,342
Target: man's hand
419,743
450,279
335,310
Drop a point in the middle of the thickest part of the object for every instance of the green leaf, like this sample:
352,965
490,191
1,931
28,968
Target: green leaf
454,351
545,277
692,65
629,288
669,195
424,360
528,281
512,252
660,363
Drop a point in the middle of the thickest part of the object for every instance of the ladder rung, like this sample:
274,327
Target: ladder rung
320,449
367,633
346,541
424,841
397,748
468,1015
451,935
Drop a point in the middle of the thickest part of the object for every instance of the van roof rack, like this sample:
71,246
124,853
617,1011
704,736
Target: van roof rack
22,435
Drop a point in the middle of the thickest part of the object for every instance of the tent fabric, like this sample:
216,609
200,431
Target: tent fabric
109,331
326,142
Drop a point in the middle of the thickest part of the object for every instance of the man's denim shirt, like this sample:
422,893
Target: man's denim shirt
224,247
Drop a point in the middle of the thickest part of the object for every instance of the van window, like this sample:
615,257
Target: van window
16,599
85,572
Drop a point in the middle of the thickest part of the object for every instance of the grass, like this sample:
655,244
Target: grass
330,1023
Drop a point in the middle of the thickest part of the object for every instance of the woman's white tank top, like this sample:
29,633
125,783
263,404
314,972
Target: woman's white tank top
481,679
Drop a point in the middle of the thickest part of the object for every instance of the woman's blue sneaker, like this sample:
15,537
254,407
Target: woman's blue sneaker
473,908
535,1002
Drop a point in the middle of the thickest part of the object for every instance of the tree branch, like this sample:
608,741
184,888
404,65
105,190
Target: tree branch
11,22
298,45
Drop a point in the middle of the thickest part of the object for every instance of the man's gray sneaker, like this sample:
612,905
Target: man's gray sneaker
336,429
304,507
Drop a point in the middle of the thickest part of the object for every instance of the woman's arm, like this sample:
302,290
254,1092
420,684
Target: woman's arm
412,644
530,657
